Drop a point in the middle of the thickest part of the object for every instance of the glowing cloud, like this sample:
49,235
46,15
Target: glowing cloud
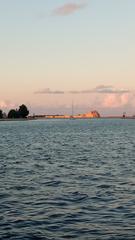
68,9
6,104
117,100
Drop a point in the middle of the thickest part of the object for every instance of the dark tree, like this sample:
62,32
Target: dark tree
1,114
23,111
13,114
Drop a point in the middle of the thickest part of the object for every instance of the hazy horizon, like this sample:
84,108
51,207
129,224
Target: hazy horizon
56,52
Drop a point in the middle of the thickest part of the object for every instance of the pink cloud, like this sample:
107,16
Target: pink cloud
68,8
117,100
6,104
105,99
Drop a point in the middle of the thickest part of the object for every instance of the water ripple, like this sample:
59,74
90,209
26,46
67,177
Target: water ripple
67,180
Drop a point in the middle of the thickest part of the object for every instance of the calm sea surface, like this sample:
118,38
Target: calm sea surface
65,179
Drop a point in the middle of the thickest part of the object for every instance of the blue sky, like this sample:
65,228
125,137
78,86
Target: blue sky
67,46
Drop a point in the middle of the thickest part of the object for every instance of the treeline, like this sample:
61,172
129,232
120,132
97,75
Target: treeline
22,112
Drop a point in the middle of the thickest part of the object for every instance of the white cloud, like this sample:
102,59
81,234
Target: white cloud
49,91
102,89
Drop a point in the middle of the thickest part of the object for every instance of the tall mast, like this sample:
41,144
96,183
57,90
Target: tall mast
72,108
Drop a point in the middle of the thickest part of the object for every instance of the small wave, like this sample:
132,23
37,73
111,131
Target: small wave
73,197
53,183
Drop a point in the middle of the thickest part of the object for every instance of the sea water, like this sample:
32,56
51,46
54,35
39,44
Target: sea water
65,179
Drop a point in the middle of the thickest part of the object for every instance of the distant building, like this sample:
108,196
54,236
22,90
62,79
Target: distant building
124,115
92,114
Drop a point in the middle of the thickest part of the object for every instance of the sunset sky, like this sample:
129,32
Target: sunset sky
53,52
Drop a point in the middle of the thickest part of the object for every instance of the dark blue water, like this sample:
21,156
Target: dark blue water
63,179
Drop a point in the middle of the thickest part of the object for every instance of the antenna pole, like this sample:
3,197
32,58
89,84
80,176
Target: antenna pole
72,108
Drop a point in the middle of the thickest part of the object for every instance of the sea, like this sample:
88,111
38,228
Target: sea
67,179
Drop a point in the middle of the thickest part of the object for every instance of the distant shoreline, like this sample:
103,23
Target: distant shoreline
74,118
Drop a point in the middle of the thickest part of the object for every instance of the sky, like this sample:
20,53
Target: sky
55,52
